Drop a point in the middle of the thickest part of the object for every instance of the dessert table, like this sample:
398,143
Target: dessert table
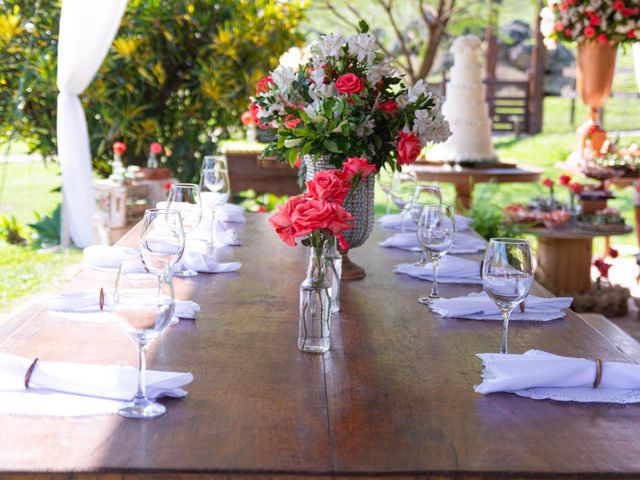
393,398
465,178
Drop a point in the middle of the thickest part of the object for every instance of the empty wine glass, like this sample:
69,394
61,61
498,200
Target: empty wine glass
143,308
185,199
436,234
422,195
401,192
385,180
216,191
161,239
507,276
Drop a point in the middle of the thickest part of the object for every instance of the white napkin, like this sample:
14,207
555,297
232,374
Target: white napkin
105,257
394,220
450,270
464,243
478,306
62,388
231,213
224,236
538,374
85,306
198,259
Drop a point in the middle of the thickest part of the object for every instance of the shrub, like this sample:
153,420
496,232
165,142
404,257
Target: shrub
178,72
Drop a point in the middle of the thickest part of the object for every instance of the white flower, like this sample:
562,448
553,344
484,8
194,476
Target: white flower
320,90
294,57
547,21
362,46
283,77
430,125
312,111
330,46
365,128
377,72
415,91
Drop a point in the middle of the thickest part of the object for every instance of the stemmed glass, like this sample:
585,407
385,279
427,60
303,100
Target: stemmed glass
422,195
161,239
143,308
216,190
436,234
401,192
385,181
185,199
507,276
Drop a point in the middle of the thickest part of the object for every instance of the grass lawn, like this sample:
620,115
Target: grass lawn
29,187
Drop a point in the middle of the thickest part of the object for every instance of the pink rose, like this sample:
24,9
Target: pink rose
281,220
589,31
409,148
327,185
354,166
312,215
349,83
156,148
338,223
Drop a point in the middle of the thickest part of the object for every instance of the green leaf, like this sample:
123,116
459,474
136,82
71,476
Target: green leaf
331,146
363,27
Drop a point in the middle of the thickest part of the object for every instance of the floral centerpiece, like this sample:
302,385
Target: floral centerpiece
344,100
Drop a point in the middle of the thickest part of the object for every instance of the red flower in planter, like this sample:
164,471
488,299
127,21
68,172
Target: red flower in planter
603,267
119,147
613,253
409,147
576,188
327,185
547,182
389,106
156,148
564,180
264,84
357,166
349,83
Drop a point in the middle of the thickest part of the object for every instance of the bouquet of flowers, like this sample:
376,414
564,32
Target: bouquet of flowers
603,21
344,100
318,214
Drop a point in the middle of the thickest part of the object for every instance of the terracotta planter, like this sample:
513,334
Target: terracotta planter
594,76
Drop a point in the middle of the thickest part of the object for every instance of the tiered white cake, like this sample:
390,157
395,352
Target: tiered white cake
465,107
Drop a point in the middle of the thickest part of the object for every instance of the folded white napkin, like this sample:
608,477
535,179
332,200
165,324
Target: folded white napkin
224,236
478,306
106,257
85,306
231,213
464,243
538,374
62,388
394,220
198,259
450,270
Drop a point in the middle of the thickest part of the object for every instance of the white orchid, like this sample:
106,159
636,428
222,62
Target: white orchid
415,91
362,46
283,77
329,46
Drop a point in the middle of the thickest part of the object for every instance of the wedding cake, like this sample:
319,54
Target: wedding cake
465,107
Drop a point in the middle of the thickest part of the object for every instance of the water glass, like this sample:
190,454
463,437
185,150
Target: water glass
143,306
216,190
507,276
402,191
436,234
185,199
423,195
161,239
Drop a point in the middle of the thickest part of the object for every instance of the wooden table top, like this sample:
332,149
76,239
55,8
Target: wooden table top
393,397
438,173
575,233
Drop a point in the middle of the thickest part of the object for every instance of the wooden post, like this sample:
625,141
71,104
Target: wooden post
536,77
564,264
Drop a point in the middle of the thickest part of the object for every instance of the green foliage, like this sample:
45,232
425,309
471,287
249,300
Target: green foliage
489,219
47,228
11,230
263,202
176,73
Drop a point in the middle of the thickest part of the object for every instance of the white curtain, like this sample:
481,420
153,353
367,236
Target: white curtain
636,62
87,29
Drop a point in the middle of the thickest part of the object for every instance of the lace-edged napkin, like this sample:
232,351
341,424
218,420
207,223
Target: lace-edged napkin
85,307
450,270
394,220
478,306
540,375
464,243
72,389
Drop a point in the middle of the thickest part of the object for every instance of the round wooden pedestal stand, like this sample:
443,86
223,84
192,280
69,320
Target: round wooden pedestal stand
350,270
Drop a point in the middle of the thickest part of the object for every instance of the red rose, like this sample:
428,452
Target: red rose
567,32
327,185
354,166
613,253
312,215
594,20
281,220
291,121
631,34
298,162
409,148
156,148
602,38
389,106
167,186
603,267
576,188
547,182
263,84
119,148
349,83
589,31
338,222
247,118
564,180
618,5
559,26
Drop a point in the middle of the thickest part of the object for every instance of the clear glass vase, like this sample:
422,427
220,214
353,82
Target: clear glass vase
315,305
333,261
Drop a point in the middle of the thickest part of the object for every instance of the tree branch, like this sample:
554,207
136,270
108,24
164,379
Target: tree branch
388,8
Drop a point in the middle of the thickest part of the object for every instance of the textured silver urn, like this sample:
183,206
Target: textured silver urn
360,204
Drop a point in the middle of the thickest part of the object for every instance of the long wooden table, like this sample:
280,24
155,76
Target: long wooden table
394,396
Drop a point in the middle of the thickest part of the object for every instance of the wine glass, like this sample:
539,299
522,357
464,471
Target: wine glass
161,239
215,162
385,180
216,191
422,195
436,234
507,276
401,192
185,199
143,308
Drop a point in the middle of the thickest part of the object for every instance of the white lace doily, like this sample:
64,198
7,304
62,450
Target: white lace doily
583,395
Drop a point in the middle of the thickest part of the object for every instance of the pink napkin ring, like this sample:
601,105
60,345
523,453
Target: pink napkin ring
596,382
27,376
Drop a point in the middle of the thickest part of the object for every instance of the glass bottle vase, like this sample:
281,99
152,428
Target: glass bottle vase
315,306
333,261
